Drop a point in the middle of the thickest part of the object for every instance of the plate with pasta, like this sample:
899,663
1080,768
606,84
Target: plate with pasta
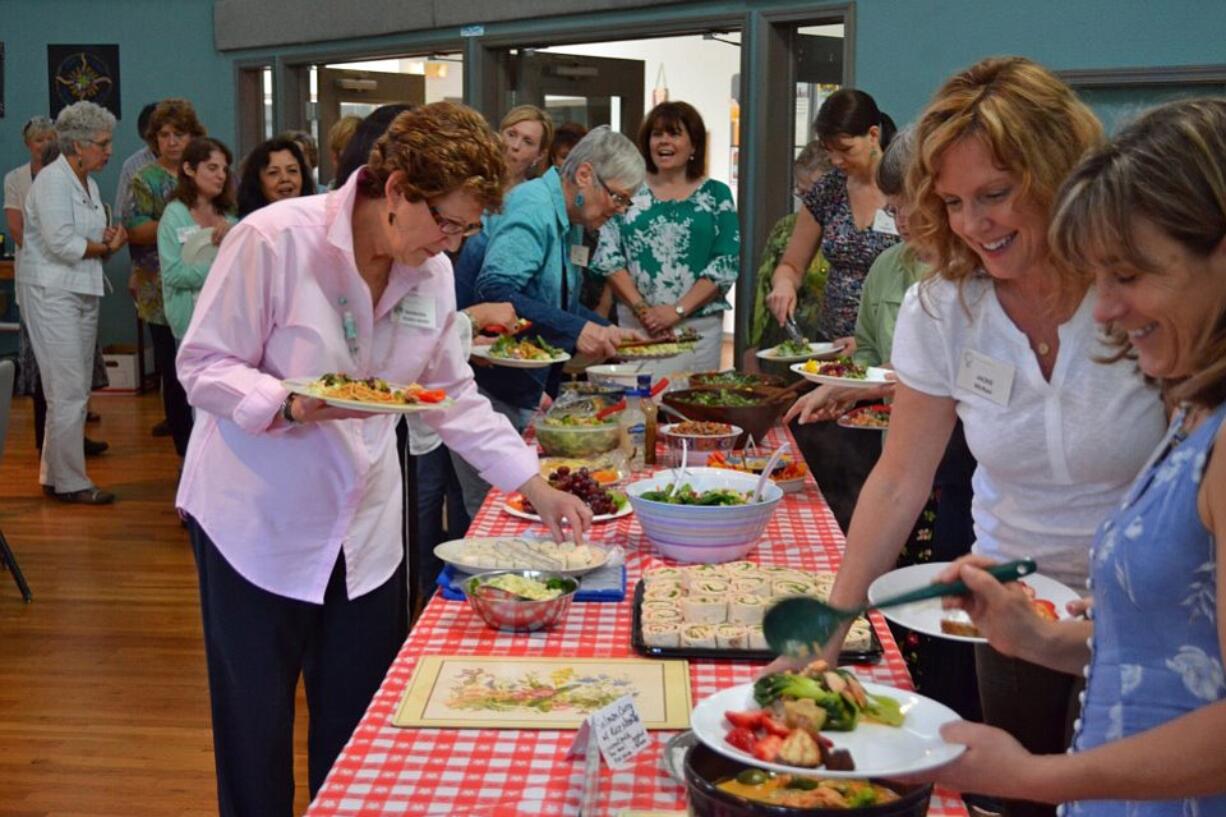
373,394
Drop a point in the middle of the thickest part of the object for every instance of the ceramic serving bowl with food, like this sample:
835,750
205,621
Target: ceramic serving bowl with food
703,533
698,439
575,436
705,770
754,410
495,597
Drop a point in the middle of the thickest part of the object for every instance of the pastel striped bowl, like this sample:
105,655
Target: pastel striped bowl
702,533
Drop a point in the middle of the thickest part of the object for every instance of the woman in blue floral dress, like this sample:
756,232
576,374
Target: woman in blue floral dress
1148,215
844,212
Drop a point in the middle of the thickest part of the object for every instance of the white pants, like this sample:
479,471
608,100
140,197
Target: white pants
704,358
63,328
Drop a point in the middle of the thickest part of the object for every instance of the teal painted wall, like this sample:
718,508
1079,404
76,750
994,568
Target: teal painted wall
165,49
905,48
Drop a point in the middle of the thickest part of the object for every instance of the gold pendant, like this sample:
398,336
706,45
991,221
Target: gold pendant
1043,348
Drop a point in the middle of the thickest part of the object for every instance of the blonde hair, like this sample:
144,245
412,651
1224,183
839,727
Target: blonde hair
440,147
1168,168
530,113
1036,129
341,132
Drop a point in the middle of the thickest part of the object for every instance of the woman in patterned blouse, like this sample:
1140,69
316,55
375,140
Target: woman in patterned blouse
843,213
673,255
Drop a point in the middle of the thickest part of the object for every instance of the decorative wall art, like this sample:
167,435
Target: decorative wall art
89,72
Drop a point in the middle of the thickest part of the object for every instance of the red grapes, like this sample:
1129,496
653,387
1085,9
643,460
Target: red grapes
583,485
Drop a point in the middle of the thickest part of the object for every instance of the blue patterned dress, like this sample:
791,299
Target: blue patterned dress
1155,650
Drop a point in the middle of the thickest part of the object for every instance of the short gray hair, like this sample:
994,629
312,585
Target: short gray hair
892,172
612,155
79,122
37,125
813,158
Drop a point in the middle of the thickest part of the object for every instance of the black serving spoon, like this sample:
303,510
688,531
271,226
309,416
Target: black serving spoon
801,625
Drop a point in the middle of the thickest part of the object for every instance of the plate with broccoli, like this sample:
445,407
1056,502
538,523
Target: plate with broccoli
796,722
521,353
795,351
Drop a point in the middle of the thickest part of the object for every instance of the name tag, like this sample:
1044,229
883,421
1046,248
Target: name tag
416,311
986,376
579,254
883,222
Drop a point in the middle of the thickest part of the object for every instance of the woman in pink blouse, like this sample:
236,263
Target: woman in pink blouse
294,506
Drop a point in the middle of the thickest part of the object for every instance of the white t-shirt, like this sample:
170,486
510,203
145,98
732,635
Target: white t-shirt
1056,457
422,438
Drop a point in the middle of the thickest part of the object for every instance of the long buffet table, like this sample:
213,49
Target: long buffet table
388,770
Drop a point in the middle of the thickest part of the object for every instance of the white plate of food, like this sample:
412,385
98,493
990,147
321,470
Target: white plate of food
374,394
867,418
842,372
514,506
606,472
877,749
928,617
199,247
520,353
791,351
482,554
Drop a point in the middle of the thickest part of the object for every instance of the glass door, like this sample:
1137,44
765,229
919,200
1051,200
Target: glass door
572,88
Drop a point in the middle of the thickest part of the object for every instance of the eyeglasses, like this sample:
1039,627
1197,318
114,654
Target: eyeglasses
890,210
621,200
101,144
450,226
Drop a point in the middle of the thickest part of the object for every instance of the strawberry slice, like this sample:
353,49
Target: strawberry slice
745,720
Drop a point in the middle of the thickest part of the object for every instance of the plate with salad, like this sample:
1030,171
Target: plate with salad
869,418
826,720
792,351
842,371
372,394
521,353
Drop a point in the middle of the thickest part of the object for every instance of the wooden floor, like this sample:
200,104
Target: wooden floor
103,693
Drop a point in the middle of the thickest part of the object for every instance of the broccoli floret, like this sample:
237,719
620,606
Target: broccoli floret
841,716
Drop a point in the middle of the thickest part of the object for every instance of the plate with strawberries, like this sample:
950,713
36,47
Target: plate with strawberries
1048,599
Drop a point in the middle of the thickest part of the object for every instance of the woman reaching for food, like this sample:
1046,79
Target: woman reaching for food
293,505
1002,336
1148,215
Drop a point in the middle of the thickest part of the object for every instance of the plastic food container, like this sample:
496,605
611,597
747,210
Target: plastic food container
704,533
501,611
697,446
576,441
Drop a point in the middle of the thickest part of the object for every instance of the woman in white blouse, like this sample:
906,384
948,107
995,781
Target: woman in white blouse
67,237
1003,337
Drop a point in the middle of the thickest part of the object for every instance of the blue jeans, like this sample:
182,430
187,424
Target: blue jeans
471,484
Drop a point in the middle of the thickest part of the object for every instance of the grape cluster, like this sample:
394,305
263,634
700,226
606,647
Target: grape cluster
583,485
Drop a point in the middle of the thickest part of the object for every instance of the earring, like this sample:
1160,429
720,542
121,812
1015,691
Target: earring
579,199
391,219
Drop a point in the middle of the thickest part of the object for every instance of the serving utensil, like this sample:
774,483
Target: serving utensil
768,470
793,330
802,625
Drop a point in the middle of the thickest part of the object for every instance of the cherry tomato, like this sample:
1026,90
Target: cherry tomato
741,738
745,720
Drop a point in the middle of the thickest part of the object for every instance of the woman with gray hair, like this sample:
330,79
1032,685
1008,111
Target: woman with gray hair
67,237
534,253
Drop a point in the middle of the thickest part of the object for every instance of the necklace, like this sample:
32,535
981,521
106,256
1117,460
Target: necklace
1043,348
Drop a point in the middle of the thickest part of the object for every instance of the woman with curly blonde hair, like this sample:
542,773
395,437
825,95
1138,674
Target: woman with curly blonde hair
1002,336
293,505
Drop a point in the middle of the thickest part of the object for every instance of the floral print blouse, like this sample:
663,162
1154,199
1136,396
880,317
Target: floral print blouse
850,251
1155,650
151,189
668,245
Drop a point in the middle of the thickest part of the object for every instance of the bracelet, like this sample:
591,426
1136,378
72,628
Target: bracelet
640,307
287,409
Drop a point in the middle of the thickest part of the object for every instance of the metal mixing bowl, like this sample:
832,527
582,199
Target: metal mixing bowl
502,611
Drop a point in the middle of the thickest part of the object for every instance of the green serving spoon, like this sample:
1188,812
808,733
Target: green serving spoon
801,625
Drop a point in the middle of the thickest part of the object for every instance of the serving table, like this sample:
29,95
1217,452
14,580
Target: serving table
386,770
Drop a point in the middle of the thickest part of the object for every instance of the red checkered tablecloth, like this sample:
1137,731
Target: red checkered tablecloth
388,770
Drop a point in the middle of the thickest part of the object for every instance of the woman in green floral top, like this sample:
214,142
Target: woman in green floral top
673,255
172,126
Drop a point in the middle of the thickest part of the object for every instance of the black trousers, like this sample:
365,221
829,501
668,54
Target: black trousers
257,643
174,399
840,460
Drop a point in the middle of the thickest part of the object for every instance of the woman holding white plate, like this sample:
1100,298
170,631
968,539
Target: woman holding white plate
1002,336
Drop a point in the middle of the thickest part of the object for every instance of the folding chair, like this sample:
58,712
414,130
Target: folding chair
7,373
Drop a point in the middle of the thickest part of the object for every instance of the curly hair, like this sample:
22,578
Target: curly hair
1167,168
177,112
79,122
440,147
1036,129
197,151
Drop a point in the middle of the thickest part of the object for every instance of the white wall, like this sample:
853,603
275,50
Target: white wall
698,71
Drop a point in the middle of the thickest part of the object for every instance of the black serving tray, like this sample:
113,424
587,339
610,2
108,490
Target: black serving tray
870,656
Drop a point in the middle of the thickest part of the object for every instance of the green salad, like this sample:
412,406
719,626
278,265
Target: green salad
722,397
794,348
509,347
686,495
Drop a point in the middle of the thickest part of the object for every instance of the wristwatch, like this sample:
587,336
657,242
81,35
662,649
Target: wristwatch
680,310
287,409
